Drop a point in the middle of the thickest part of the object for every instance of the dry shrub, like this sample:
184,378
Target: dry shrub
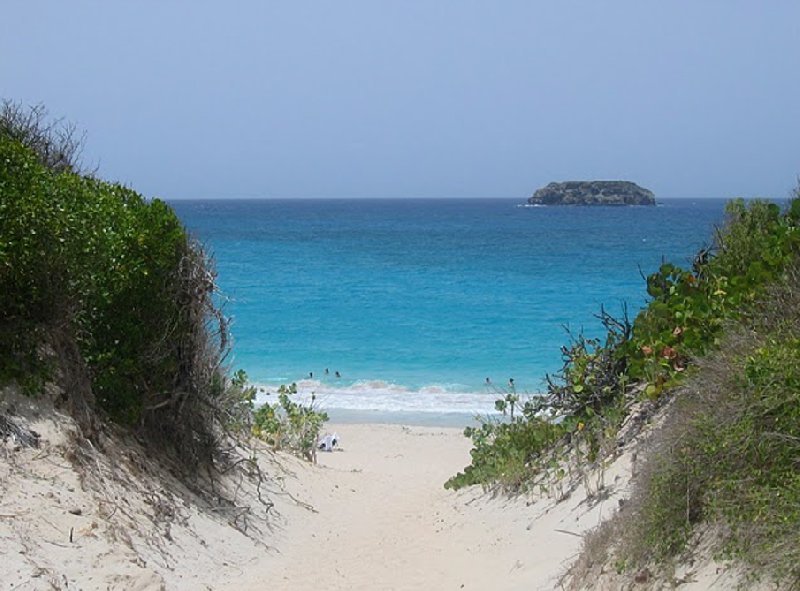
188,418
57,143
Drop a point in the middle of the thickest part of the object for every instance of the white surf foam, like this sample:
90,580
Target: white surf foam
377,395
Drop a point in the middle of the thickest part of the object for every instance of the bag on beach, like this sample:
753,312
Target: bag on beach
327,442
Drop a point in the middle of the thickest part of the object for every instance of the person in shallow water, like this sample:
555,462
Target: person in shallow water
338,375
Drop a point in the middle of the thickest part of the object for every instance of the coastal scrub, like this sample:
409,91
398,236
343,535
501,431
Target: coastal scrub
104,294
644,359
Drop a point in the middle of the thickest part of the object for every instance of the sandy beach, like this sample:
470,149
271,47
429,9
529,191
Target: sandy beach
372,515
383,520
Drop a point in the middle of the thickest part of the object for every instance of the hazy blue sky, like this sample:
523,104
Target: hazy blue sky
418,98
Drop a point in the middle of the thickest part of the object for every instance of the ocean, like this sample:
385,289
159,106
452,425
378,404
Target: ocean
392,309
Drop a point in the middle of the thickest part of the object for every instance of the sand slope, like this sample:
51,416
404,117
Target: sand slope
75,517
384,521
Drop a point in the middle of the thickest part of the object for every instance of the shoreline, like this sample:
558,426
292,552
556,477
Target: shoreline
384,402
360,417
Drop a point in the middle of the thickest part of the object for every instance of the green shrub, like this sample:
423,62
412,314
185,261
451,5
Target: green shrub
288,424
689,308
582,403
503,452
729,452
238,398
97,259
104,292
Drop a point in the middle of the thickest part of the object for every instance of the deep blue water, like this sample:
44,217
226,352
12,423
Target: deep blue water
417,302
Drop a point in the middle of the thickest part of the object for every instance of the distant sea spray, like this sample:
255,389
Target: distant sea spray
417,302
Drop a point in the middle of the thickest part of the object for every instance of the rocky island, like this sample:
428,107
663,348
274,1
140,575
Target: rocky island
592,193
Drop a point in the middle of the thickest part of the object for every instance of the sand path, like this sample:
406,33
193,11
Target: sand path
381,519
384,521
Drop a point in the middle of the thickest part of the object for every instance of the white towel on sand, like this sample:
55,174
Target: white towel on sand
327,442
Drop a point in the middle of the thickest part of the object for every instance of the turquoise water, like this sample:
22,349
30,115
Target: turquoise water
416,302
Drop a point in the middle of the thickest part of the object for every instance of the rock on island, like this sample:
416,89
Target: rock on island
592,193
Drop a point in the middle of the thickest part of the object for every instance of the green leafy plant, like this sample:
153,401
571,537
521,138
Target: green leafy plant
725,461
509,450
729,452
105,293
288,424
689,308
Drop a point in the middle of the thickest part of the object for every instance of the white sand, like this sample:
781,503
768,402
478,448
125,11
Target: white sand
384,521
116,522
372,515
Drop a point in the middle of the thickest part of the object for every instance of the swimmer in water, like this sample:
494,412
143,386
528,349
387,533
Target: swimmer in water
338,375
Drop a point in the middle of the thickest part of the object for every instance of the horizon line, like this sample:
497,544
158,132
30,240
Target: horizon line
358,198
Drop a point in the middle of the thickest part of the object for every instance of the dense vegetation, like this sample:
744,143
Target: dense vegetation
103,293
285,424
729,453
722,338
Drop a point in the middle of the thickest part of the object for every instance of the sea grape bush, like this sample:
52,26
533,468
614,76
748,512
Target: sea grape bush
727,455
684,319
688,309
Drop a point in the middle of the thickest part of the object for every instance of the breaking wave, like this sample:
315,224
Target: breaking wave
378,395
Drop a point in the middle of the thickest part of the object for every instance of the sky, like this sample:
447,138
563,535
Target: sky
379,98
